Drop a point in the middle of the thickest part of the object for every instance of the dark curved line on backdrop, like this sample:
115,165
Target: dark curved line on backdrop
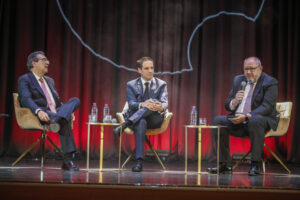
189,43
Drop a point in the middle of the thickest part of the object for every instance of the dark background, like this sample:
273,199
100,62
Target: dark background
126,30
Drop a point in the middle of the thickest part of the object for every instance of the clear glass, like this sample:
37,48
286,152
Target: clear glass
202,121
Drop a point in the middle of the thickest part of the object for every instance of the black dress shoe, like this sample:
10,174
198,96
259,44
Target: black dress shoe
254,170
223,169
118,128
70,166
138,166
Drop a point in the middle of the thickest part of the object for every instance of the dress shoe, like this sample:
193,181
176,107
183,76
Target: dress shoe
254,170
70,166
223,169
53,126
118,128
138,166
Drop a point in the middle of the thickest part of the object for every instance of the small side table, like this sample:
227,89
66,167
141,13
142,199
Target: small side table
101,142
199,127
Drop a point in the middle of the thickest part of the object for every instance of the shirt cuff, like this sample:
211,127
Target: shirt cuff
37,110
231,106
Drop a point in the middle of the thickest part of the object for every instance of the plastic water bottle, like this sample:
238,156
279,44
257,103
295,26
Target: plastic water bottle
193,116
105,113
94,113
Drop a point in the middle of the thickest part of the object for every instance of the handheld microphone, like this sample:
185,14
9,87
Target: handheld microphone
243,85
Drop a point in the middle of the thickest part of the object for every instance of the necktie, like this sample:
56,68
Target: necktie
49,100
146,92
247,106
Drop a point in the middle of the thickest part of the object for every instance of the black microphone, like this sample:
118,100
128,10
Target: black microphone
243,85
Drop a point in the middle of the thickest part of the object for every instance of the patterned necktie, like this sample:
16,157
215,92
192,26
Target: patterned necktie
49,100
146,92
247,106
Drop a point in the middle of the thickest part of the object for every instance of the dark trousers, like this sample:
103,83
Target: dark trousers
65,133
255,129
142,120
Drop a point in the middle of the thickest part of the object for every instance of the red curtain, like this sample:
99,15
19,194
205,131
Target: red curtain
124,31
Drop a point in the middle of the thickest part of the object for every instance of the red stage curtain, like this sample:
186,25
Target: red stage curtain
126,30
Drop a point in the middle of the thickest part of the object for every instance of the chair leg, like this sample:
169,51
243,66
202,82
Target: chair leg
277,158
43,144
156,155
55,146
128,159
26,151
237,164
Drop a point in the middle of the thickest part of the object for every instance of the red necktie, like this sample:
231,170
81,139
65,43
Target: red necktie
49,100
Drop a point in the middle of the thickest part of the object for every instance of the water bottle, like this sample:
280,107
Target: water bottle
94,113
193,116
106,113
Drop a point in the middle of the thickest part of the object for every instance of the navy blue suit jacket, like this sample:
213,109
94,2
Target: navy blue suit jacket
31,94
263,100
134,94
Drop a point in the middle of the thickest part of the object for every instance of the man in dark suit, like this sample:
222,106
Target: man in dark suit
252,102
37,92
147,98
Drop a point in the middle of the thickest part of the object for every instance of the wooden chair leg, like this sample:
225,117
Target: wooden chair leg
43,144
237,164
26,151
277,158
55,146
128,158
155,154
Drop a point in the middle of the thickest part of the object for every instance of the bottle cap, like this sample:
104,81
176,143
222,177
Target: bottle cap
106,104
94,103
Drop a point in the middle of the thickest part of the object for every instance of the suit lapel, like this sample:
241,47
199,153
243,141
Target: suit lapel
153,87
36,84
139,86
257,87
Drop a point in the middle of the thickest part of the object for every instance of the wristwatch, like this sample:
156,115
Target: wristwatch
246,118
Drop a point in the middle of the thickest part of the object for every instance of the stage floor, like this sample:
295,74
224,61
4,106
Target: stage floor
29,171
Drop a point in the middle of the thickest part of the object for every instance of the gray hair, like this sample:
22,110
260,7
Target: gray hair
254,58
33,58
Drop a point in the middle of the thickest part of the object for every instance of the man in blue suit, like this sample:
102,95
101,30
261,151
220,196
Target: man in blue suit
147,97
37,92
252,103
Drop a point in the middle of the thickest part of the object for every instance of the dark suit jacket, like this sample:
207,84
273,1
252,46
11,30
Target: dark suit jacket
31,94
134,94
263,100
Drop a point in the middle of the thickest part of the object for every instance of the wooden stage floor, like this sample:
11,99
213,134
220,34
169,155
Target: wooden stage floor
28,181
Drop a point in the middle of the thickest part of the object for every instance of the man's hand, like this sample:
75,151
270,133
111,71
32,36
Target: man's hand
157,106
238,98
148,104
239,118
152,105
43,116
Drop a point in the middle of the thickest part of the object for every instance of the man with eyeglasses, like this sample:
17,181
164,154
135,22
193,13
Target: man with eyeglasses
38,92
252,102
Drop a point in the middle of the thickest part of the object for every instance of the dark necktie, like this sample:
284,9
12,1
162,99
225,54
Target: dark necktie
146,92
49,100
247,106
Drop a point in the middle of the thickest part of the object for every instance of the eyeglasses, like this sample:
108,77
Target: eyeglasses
44,60
251,69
